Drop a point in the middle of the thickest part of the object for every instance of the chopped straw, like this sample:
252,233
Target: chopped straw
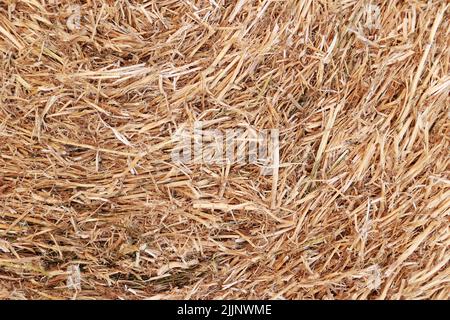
356,206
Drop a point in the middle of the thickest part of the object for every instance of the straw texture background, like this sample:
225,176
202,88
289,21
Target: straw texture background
91,205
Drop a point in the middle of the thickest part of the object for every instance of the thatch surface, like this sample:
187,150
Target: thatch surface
91,205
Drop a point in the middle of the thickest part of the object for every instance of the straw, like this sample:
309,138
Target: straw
355,206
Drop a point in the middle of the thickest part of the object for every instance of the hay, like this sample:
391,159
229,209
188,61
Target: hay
91,205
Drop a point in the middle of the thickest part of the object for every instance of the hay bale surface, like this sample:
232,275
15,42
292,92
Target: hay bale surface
91,205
